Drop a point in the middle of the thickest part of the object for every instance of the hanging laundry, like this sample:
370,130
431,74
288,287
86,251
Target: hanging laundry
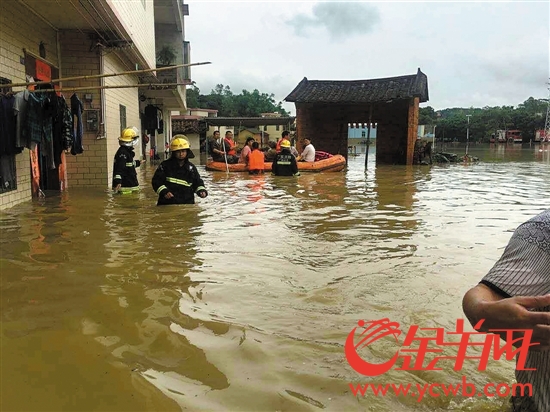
62,129
7,121
20,109
38,124
76,112
7,173
151,119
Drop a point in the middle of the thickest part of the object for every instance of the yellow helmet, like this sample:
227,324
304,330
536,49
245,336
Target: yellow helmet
129,136
179,142
286,144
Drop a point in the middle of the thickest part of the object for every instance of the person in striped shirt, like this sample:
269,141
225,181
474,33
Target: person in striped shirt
515,294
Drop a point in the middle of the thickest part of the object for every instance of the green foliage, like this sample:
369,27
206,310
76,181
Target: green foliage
166,55
452,123
246,104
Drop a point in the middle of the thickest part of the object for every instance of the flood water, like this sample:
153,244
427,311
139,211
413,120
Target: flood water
244,300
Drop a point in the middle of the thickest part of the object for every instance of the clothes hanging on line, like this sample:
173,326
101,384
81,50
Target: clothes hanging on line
76,111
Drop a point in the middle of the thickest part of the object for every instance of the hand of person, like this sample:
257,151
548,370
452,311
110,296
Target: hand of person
117,187
202,193
168,195
516,313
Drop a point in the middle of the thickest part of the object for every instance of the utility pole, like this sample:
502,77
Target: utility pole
468,132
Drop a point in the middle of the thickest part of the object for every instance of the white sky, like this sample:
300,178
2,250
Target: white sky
474,53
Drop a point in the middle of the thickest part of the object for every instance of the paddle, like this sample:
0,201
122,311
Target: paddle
225,155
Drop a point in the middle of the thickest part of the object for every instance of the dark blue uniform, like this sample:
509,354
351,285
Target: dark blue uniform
182,181
285,164
124,169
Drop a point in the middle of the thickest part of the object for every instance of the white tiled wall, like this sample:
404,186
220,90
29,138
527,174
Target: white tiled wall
138,19
128,97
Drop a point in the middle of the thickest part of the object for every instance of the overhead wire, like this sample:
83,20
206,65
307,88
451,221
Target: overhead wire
115,35
87,21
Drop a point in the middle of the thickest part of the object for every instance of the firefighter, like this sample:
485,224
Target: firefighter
124,169
176,180
285,163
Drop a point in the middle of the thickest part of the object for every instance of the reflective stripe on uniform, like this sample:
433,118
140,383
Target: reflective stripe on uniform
200,188
283,163
130,164
129,189
118,177
160,189
178,181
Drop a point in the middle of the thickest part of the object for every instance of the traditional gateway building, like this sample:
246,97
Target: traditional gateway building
47,40
324,108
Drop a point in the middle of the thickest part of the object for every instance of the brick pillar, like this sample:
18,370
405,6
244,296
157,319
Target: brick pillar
412,128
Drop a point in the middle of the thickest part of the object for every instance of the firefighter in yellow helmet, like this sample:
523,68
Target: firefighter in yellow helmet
176,180
124,169
285,163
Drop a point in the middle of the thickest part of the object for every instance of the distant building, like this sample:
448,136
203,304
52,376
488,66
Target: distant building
357,137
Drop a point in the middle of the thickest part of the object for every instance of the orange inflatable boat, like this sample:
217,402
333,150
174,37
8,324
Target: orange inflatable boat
335,163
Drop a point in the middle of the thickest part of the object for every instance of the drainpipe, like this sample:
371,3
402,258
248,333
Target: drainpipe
102,134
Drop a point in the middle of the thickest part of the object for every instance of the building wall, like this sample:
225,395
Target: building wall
138,19
325,125
20,29
128,97
391,144
274,131
87,168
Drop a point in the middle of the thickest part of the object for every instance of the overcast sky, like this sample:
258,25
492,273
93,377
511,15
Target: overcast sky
474,53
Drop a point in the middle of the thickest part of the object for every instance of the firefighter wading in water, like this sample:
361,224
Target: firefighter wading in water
176,180
124,170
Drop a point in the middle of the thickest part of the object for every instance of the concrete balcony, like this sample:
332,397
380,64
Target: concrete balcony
169,40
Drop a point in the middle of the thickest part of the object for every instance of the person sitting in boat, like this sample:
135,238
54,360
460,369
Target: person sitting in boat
308,154
285,163
177,180
230,147
285,135
256,160
215,148
271,152
246,150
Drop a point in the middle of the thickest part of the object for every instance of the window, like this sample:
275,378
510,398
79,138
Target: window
265,128
277,127
122,110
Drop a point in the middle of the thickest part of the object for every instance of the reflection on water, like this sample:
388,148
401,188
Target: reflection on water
244,300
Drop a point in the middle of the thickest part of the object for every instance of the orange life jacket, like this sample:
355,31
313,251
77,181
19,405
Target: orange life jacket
230,143
256,160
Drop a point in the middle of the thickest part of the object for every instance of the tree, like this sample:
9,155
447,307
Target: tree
427,115
228,104
192,94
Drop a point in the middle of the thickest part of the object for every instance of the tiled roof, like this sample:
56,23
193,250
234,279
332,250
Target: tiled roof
361,91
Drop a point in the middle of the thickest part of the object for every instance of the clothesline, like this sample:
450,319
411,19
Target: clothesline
150,86
99,76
